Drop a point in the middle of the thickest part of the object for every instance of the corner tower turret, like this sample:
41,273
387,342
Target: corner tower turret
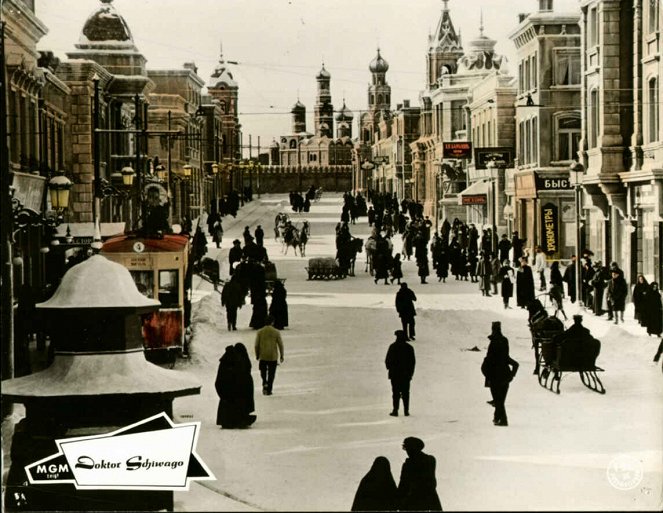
444,49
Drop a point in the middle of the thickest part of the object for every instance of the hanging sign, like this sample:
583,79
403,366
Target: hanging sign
549,228
457,150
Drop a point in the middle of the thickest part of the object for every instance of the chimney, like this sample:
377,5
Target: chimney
406,104
522,16
545,5
399,106
191,65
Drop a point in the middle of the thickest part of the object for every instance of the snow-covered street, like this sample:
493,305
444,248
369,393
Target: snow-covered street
327,420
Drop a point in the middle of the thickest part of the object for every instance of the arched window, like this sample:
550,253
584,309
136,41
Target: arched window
653,110
379,99
293,144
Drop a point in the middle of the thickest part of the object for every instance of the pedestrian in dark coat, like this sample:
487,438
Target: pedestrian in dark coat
232,297
417,485
234,255
405,299
279,307
247,235
371,216
640,291
234,386
570,278
396,269
377,489
422,269
508,277
260,235
442,269
199,245
499,369
653,313
556,275
400,363
484,270
517,245
524,284
504,247
617,292
215,228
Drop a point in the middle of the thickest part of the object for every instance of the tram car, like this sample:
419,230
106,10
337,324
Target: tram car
159,267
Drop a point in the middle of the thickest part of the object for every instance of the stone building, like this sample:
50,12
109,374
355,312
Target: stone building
307,154
447,111
547,123
621,148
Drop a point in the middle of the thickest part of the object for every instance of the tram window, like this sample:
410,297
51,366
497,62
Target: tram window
144,281
168,290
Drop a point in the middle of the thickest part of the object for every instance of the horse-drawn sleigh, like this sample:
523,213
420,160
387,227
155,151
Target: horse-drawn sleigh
558,351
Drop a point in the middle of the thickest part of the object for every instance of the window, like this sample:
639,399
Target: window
312,157
535,78
144,281
535,141
567,67
653,110
526,72
653,15
593,116
593,28
168,289
521,82
568,138
293,144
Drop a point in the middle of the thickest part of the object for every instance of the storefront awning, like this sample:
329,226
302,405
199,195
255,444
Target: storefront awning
475,194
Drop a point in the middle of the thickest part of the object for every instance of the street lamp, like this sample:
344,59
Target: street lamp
576,174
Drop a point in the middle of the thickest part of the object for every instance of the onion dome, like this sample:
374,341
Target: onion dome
378,65
345,114
106,25
298,107
323,73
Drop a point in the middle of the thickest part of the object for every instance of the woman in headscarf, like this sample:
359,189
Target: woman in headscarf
377,489
225,388
640,291
508,277
652,311
279,307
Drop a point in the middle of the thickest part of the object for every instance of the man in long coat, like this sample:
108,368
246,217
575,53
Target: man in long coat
417,485
499,369
405,299
524,284
400,363
232,297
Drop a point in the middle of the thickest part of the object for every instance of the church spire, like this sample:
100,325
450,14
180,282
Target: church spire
481,23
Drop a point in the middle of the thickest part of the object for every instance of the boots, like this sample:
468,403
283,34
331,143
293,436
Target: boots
394,411
406,406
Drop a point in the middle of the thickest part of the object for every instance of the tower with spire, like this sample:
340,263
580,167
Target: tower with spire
222,86
324,110
298,118
344,122
444,48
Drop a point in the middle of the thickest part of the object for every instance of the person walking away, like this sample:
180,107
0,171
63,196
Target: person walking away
484,270
524,284
232,297
269,351
396,269
234,255
508,278
570,278
640,290
653,313
216,228
247,235
259,235
417,484
405,299
442,269
225,389
377,490
422,268
499,369
556,297
617,292
540,267
400,363
556,276
279,307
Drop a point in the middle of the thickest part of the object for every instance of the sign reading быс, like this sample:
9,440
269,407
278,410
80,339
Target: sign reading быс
153,454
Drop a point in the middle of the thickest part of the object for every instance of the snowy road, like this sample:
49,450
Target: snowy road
328,418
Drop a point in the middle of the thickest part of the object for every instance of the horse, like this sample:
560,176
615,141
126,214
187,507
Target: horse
291,237
303,239
347,255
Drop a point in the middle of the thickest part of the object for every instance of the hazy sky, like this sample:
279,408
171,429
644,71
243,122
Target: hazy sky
280,44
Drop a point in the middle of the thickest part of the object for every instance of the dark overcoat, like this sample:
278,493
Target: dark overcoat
417,485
